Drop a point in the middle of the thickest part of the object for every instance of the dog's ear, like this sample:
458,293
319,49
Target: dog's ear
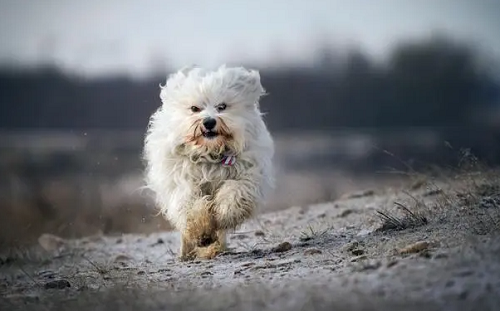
175,81
247,83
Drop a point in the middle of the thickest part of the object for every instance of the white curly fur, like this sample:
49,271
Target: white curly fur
183,168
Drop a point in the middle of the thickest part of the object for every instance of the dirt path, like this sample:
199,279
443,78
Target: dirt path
444,255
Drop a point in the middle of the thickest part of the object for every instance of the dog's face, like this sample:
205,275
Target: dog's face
212,113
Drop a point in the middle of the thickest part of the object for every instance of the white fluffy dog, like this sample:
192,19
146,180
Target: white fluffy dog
208,155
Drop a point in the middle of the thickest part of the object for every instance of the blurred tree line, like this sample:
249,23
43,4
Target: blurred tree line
431,83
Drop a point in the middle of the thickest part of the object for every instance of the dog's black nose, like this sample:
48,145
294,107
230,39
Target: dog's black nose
209,123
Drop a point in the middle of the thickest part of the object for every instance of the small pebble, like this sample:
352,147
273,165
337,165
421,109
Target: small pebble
312,251
391,263
57,284
414,248
283,247
50,242
357,252
259,233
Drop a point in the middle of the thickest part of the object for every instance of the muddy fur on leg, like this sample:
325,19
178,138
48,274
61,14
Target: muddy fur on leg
202,230
202,233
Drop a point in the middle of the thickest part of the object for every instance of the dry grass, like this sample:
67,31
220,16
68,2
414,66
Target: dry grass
470,187
409,219
312,233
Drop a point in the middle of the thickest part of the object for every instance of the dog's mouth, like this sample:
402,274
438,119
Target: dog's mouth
210,134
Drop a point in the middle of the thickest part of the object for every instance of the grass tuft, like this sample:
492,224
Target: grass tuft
409,219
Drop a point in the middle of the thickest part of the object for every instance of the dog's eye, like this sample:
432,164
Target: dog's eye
221,107
195,109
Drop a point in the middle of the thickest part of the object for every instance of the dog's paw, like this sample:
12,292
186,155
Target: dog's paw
187,257
209,252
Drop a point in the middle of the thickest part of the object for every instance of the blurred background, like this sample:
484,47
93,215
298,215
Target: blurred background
357,90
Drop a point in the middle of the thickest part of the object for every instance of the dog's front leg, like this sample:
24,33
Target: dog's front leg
234,203
199,229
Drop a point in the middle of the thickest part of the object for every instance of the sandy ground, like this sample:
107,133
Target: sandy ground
440,254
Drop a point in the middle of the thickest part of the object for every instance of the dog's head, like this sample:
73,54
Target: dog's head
210,113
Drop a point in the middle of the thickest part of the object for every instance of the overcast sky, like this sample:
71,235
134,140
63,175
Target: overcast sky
99,36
